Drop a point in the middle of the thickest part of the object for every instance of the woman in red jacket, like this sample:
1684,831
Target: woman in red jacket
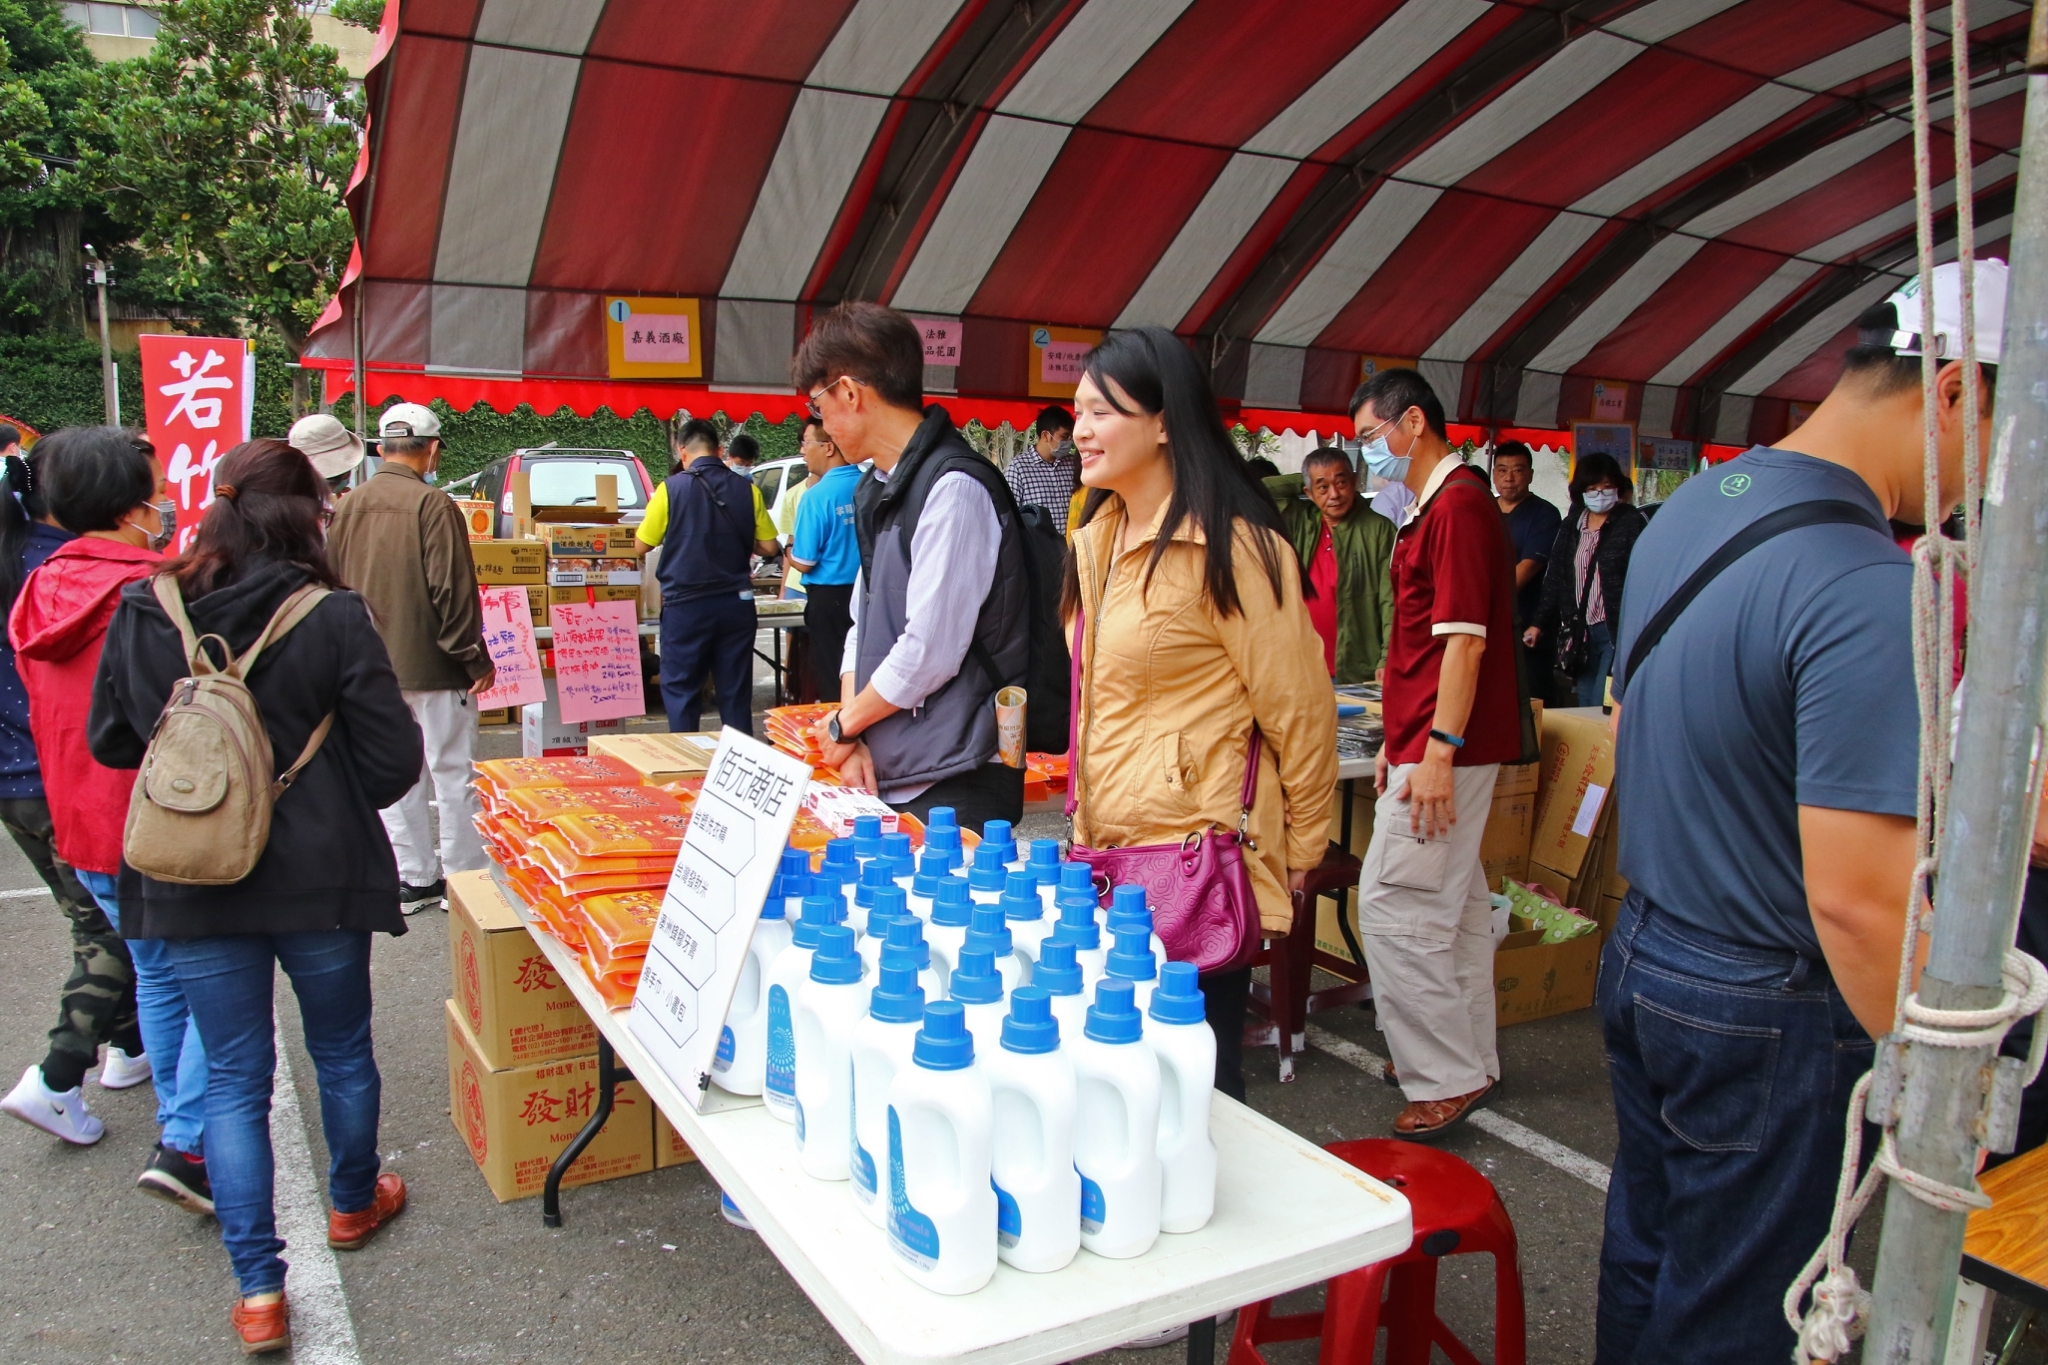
106,486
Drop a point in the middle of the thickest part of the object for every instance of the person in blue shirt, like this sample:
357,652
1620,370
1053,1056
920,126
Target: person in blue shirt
826,551
1532,524
1767,766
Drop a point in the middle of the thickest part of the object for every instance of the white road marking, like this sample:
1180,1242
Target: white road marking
322,1333
30,894
1572,1163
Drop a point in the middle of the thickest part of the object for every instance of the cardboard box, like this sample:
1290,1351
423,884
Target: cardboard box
1504,847
602,573
481,516
544,734
1607,875
1576,781
657,757
507,993
517,1120
1534,980
593,594
588,542
509,561
501,716
1605,916
669,1147
1517,779
1550,883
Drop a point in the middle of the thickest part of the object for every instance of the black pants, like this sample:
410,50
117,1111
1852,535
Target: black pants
991,792
1224,996
828,615
708,637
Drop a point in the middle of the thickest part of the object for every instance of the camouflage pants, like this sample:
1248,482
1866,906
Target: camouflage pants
98,1001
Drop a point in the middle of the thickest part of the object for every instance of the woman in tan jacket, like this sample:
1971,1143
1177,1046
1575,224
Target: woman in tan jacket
1193,630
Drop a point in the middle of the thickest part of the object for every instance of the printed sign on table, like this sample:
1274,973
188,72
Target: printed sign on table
597,660
197,395
508,636
729,855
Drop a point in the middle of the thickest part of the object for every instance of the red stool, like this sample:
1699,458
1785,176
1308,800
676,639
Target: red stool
1456,1212
1284,1000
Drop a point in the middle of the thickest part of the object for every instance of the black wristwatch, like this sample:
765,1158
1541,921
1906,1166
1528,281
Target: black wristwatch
832,729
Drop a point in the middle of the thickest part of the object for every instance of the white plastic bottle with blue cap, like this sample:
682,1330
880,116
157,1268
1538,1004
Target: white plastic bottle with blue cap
988,874
1116,1129
838,871
932,868
1131,960
942,832
946,930
1127,904
1038,1191
827,1008
903,939
881,1048
988,927
978,988
900,858
874,877
740,1064
1003,835
1043,863
1078,925
1178,1030
1059,973
795,877
942,1199
867,837
786,976
1024,913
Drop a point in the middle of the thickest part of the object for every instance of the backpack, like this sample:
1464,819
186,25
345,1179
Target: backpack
200,811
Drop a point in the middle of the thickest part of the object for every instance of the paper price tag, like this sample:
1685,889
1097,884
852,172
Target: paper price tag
508,636
597,660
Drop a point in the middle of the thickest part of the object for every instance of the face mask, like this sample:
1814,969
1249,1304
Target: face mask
1379,459
1601,501
431,476
167,518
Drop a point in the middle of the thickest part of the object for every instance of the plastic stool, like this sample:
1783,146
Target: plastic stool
1284,1000
1455,1212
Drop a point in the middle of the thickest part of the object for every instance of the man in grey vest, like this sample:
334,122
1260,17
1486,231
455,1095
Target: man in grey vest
941,607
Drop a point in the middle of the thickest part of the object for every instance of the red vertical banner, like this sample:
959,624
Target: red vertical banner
197,394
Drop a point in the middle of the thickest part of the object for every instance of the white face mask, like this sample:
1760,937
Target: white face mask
1601,501
167,521
1378,458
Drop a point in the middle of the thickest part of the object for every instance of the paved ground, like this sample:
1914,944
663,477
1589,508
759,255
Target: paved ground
645,1270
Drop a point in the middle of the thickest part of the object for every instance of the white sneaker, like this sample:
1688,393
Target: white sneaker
121,1071
62,1115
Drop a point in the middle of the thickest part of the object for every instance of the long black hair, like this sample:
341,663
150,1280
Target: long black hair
268,504
1212,488
21,506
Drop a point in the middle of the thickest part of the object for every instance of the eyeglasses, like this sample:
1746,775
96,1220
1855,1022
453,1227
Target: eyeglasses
326,515
811,403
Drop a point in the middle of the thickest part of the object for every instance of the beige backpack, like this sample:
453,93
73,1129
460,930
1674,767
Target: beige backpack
200,812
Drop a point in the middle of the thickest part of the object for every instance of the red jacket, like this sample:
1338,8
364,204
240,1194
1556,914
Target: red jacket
59,623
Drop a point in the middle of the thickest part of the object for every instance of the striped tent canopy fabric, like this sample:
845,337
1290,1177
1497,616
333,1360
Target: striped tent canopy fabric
1661,212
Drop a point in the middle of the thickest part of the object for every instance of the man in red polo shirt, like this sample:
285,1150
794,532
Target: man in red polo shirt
1451,718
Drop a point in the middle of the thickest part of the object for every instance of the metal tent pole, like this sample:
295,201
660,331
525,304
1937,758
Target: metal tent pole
1993,794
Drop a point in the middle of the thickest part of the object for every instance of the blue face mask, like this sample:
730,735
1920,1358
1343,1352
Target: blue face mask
1378,457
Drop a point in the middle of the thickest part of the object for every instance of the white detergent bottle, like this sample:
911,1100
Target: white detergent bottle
786,975
1077,926
1043,863
1116,1131
987,928
988,875
1127,903
874,876
1131,960
1004,836
1179,1032
885,903
946,930
881,1048
899,858
1038,1191
942,1200
827,1008
977,987
904,941
740,1065
932,868
867,837
1060,976
942,832
1024,913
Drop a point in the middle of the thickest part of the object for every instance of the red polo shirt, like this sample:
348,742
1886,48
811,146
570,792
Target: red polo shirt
1453,573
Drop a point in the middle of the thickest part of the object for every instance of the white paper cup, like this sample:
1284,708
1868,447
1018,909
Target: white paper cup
1010,726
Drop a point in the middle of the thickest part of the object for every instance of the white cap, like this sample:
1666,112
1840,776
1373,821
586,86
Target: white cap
407,419
1948,312
332,447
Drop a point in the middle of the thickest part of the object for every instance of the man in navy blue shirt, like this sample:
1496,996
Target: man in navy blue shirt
1532,524
1767,761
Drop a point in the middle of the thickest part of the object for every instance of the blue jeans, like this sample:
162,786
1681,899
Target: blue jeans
708,638
228,980
1592,683
176,1058
1732,1067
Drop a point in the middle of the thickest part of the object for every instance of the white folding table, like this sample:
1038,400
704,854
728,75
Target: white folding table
1288,1214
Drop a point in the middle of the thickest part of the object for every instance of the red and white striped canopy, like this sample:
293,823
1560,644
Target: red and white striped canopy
1685,200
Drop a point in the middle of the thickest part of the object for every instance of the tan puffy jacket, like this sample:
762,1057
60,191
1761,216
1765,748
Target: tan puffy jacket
1169,691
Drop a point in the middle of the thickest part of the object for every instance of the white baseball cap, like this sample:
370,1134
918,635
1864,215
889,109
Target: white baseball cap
1948,312
407,419
332,447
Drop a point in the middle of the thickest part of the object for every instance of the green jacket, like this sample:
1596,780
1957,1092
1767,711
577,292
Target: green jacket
1364,543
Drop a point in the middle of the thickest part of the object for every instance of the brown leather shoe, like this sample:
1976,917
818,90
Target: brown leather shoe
348,1231
261,1327
1428,1120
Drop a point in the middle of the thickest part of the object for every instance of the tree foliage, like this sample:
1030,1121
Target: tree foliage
45,68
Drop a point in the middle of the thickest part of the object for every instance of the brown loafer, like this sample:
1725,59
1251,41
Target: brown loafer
261,1327
348,1231
1428,1120
1390,1076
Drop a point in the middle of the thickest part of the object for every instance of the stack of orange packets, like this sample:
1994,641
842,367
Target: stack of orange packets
1045,776
616,930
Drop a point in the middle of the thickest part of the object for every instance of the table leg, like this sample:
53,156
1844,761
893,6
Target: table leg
1202,1341
609,1074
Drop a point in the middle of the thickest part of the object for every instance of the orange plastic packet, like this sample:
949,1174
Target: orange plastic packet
617,927
501,775
551,850
612,836
615,988
540,805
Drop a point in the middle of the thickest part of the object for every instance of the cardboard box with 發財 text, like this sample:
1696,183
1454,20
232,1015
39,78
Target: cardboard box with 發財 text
508,994
517,1120
1576,780
669,1147
1534,980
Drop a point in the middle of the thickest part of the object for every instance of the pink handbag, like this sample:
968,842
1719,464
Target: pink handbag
1199,890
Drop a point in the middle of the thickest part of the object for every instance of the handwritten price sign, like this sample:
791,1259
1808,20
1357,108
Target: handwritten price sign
597,660
508,635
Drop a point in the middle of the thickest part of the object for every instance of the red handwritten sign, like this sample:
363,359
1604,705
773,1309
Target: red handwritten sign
508,636
197,393
597,660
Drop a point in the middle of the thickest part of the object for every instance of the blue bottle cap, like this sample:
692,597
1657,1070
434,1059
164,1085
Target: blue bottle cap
832,876
839,853
778,893
943,1044
946,842
820,913
1114,1017
1057,970
988,873
1044,861
835,962
873,877
1077,929
952,905
974,980
1029,1026
1119,918
1077,877
896,852
1127,899
999,833
904,939
890,903
795,861
897,998
1178,997
867,835
1021,900
1131,958
987,928
940,817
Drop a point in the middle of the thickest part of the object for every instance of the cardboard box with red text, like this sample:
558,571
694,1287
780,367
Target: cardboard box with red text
1577,779
506,991
669,1147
